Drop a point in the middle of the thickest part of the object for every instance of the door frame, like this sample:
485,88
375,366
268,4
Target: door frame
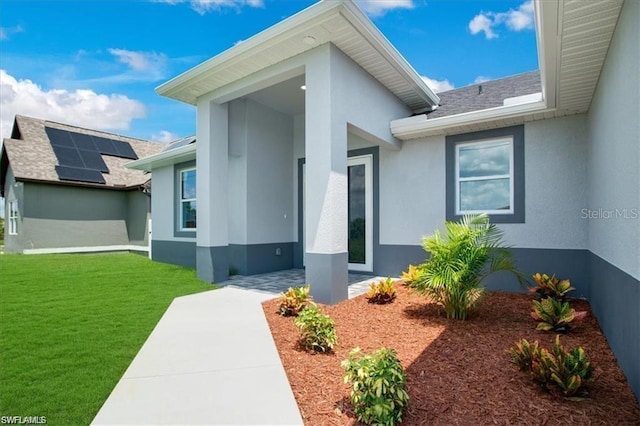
368,161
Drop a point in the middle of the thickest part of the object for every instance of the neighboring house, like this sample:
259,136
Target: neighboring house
66,189
318,145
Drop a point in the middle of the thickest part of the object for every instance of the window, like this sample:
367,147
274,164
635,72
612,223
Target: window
484,177
188,200
485,174
13,218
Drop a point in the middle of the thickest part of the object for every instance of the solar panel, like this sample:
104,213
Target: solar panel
125,150
93,160
82,141
68,156
79,175
80,155
59,137
105,146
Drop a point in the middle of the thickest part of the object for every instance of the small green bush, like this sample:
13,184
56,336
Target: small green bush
412,275
379,393
551,287
552,314
381,292
317,330
294,300
559,371
461,258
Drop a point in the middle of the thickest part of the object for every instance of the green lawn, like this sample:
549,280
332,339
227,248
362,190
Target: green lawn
70,325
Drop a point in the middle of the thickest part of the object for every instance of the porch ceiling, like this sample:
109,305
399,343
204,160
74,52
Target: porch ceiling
340,22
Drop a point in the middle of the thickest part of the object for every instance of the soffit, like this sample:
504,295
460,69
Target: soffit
586,29
337,22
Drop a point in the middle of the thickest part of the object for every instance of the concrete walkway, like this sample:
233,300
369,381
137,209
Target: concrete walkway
211,360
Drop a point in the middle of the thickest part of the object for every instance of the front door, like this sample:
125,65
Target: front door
360,213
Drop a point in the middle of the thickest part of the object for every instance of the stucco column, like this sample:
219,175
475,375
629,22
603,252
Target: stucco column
212,159
325,184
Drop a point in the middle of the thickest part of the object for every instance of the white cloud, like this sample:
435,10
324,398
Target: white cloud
204,6
522,18
515,20
164,136
485,23
481,79
81,107
438,85
140,61
380,7
5,32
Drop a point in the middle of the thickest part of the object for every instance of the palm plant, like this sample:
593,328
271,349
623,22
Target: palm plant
461,259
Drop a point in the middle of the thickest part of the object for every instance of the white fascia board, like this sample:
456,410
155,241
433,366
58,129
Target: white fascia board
414,127
548,38
312,15
274,34
379,42
164,159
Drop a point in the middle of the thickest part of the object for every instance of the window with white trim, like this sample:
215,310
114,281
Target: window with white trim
13,218
485,174
484,177
187,199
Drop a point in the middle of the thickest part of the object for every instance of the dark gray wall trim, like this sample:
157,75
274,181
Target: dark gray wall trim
212,263
251,259
391,260
518,171
174,252
177,168
298,249
615,301
564,263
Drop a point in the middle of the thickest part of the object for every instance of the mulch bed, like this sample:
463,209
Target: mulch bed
458,372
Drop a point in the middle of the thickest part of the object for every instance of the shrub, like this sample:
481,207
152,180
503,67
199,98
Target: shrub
412,275
379,386
460,260
554,315
524,354
381,292
551,287
559,371
294,300
317,330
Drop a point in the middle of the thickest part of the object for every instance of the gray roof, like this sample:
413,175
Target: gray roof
493,94
29,154
179,143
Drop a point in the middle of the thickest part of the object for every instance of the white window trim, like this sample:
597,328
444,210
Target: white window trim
182,201
510,175
13,217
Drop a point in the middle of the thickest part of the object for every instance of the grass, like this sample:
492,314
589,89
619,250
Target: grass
70,325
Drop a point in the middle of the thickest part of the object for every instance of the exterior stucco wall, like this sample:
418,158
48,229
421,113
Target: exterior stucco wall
269,186
614,195
65,216
138,215
412,188
166,246
614,150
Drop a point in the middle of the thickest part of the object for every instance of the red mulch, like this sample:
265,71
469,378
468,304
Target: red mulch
458,372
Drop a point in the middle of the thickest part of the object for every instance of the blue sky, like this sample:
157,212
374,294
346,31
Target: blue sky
96,63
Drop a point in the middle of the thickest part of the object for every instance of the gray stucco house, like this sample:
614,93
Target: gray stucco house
319,146
66,189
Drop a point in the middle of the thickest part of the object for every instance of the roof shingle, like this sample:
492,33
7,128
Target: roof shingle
32,158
